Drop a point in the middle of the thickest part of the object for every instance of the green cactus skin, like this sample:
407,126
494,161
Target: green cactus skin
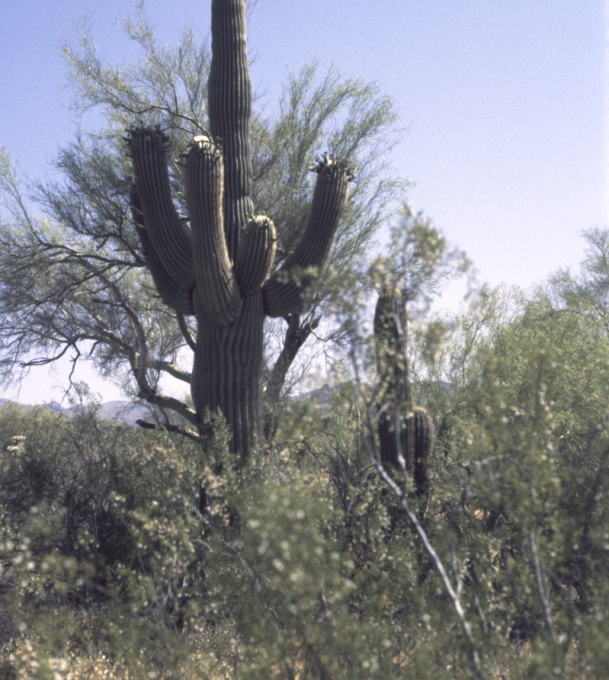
159,216
172,294
283,294
421,426
256,254
217,269
390,330
404,430
230,109
217,295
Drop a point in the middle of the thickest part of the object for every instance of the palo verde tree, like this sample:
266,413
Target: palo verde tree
92,277
586,291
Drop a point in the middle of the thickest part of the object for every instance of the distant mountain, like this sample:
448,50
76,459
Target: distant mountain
122,411
128,413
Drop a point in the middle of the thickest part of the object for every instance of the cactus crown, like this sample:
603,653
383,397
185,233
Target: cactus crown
207,144
154,137
326,164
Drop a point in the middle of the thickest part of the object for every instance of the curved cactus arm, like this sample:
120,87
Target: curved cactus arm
168,237
283,291
421,432
178,298
230,108
256,254
217,294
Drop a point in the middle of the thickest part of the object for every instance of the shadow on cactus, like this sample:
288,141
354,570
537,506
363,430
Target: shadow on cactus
217,269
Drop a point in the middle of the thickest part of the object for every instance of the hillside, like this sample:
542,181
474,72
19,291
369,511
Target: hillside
121,410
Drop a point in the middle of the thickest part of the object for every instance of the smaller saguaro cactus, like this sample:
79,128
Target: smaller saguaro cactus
406,432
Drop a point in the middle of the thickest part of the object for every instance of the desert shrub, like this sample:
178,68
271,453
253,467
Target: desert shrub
97,528
305,563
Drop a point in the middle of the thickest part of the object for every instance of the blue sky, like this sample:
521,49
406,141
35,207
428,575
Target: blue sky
502,104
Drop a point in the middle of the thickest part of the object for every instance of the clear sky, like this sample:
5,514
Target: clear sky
503,106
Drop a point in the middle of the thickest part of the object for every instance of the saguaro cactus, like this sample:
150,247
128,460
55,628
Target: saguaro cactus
217,269
405,431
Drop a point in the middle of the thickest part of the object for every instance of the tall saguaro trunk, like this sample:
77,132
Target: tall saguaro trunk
218,269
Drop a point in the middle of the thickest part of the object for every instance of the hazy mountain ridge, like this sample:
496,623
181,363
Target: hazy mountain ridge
122,411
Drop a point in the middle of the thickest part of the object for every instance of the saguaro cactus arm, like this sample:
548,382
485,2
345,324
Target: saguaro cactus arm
256,254
172,294
170,240
283,291
421,430
217,294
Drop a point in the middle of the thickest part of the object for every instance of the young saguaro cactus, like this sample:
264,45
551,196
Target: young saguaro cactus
218,269
405,431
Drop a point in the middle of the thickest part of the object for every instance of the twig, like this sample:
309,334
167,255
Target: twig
437,562
545,605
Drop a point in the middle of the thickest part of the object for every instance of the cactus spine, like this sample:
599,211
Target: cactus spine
218,269
405,431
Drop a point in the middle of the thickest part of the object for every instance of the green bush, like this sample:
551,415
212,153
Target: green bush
306,564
